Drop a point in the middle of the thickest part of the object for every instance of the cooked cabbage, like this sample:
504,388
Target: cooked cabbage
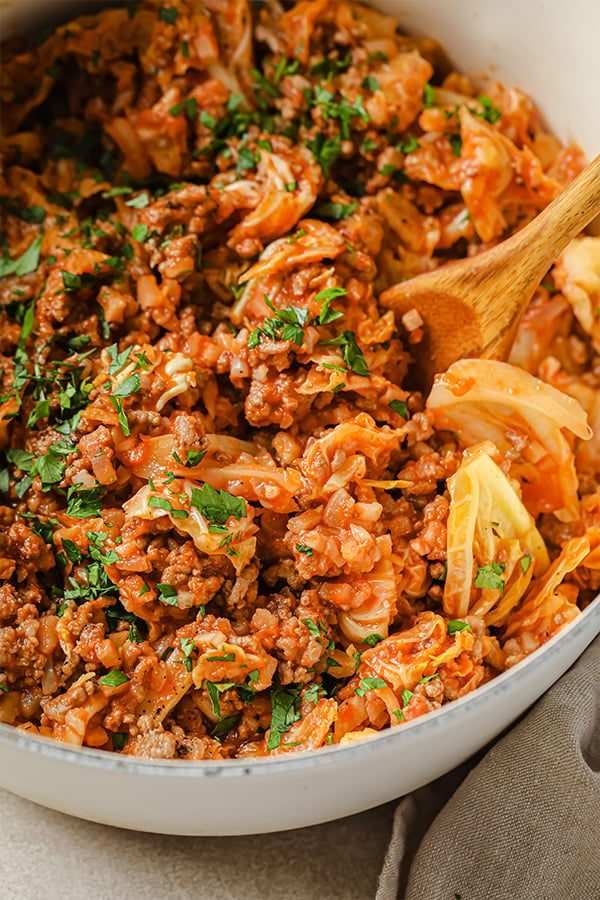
482,399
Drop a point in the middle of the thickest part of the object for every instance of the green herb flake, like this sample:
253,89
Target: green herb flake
167,594
140,233
370,83
370,684
490,113
351,352
455,626
399,407
218,506
115,678
119,740
428,96
302,548
525,562
131,385
488,577
167,14
455,141
84,502
284,713
141,201
372,640
25,264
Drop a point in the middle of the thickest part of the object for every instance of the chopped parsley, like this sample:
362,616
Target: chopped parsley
490,112
325,150
140,233
372,639
339,211
84,502
455,626
214,689
119,740
370,83
428,96
302,548
455,141
167,14
218,506
141,201
25,264
167,594
488,577
400,407
284,712
351,352
525,562
163,503
115,678
369,684
286,325
189,106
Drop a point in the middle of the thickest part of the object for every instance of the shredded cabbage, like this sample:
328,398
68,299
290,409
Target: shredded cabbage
488,524
482,399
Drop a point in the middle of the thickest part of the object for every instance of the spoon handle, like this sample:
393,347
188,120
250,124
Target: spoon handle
540,242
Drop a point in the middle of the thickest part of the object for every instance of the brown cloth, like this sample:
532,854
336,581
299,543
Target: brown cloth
524,824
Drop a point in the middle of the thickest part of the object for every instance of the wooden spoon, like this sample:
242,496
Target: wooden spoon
472,308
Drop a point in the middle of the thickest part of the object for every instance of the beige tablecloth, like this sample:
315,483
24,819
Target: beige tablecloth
45,855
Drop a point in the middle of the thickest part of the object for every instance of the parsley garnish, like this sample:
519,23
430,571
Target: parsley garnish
372,639
167,14
119,739
246,160
25,264
194,458
455,144
140,202
115,678
302,548
284,712
325,150
400,407
491,113
488,577
329,67
370,83
163,503
286,325
214,689
455,625
410,144
140,233
84,502
369,684
190,106
218,506
131,385
428,96
167,594
351,352
525,563
34,215
330,210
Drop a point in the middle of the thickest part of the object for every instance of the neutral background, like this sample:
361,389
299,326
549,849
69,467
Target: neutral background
47,855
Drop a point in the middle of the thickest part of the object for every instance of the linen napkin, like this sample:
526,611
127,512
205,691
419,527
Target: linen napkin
524,822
